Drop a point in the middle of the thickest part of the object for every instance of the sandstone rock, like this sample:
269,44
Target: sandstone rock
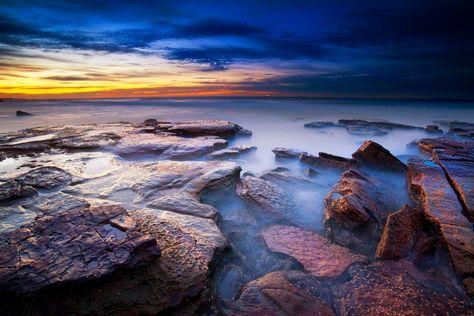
378,124
74,246
150,122
373,154
356,210
265,196
319,256
433,193
400,233
168,146
283,293
328,161
386,288
456,157
233,151
284,178
27,184
434,129
22,113
184,203
461,128
310,172
365,130
281,152
205,128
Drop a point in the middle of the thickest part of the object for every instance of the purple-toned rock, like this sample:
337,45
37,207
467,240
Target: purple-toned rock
283,293
319,124
400,233
436,198
387,288
456,157
75,246
433,129
328,161
205,128
265,197
356,210
319,256
373,154
22,113
281,152
232,152
464,129
284,177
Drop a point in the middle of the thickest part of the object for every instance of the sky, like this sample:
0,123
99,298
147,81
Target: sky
107,49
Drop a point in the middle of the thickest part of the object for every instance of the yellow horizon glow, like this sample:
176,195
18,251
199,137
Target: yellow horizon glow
71,74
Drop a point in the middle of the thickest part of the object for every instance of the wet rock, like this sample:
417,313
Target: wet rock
233,151
229,281
74,246
168,146
375,155
184,203
464,129
400,233
328,161
319,124
27,184
434,129
205,128
377,124
150,122
310,172
22,113
386,288
283,293
189,247
456,157
434,195
356,210
265,196
319,256
281,152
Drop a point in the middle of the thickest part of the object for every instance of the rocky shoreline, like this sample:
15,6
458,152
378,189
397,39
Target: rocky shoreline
89,227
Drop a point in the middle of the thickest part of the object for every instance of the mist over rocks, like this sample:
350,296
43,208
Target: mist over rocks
179,230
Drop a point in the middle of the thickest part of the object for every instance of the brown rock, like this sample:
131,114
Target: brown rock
433,193
328,161
400,233
375,155
319,256
356,210
282,293
232,152
281,152
78,245
456,156
388,289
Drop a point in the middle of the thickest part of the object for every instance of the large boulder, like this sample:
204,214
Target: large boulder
400,233
436,198
356,210
319,256
283,293
373,154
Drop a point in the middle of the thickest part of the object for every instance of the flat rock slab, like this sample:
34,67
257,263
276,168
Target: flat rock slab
74,246
318,255
281,152
283,293
205,128
232,152
375,155
328,161
28,183
356,210
435,196
456,156
387,289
